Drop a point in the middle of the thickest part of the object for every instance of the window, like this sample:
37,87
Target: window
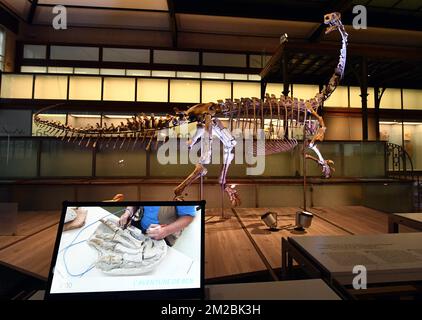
34,52
176,57
2,48
33,69
74,53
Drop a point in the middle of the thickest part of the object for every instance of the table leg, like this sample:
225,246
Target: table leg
393,226
284,257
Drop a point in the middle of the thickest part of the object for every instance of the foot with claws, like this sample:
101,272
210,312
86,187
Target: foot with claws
327,165
232,194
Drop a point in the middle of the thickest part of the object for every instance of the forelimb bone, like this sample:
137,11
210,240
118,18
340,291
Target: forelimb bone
205,133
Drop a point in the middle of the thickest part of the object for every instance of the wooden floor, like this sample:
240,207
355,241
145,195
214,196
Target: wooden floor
238,244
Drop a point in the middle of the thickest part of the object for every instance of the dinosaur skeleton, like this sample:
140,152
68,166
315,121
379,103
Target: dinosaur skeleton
125,252
279,116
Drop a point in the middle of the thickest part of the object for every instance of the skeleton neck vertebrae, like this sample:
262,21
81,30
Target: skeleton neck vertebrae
276,119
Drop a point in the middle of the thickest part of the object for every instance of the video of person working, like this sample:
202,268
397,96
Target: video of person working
131,248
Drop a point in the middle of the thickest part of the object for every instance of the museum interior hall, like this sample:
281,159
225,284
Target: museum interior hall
298,122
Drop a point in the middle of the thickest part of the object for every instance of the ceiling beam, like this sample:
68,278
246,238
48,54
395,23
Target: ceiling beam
275,61
298,62
325,65
31,13
368,50
68,6
411,71
333,6
172,22
387,69
312,62
9,21
299,11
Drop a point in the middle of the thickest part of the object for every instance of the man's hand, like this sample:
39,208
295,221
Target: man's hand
157,232
124,219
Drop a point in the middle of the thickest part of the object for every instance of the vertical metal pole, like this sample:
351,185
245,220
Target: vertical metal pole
285,75
304,168
201,188
364,96
8,149
402,133
377,112
222,201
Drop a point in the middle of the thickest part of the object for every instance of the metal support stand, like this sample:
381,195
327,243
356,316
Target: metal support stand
201,188
304,167
8,149
303,217
222,202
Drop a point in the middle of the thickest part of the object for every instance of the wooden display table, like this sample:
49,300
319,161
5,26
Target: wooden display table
394,259
311,289
412,220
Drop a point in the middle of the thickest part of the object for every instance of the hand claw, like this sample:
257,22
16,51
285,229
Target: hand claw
233,196
178,198
327,167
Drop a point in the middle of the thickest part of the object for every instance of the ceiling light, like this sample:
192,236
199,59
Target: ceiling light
85,116
52,115
110,116
390,122
412,123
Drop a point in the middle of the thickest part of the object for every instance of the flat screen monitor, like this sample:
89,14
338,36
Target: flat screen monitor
135,250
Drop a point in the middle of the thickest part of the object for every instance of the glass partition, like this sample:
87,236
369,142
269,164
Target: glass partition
20,157
61,159
330,151
407,135
124,161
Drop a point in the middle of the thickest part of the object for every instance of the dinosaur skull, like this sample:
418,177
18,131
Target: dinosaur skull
333,21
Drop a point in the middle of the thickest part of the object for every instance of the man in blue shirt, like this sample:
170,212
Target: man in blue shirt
161,222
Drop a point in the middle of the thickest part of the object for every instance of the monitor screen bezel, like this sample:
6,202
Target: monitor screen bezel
165,294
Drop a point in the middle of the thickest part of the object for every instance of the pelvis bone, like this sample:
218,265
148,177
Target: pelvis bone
125,252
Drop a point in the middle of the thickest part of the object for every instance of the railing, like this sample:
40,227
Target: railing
400,166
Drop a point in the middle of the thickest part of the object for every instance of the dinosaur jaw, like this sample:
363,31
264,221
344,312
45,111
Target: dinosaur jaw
330,29
332,20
